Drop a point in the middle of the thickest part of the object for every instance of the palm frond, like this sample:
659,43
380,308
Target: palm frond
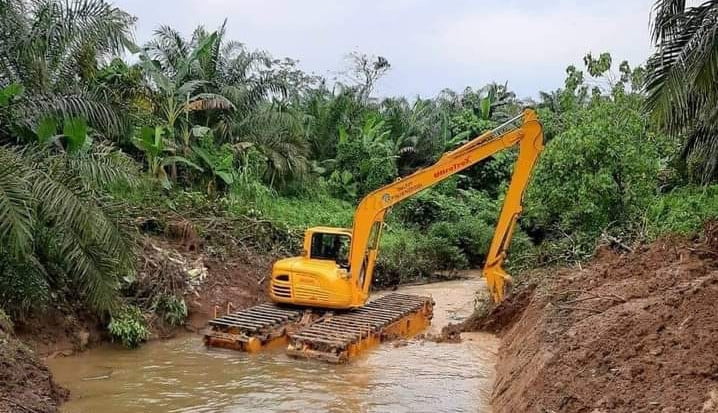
102,167
209,101
100,114
13,31
16,217
190,87
682,77
168,47
97,251
94,271
667,13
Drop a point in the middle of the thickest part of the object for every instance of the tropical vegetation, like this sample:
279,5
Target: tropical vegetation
91,139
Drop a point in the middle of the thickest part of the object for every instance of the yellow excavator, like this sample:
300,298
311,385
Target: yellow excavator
319,299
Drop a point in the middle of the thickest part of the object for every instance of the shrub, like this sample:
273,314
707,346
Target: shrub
401,259
440,203
441,254
173,310
682,211
302,212
600,172
129,326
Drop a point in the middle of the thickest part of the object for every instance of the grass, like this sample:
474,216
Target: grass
304,212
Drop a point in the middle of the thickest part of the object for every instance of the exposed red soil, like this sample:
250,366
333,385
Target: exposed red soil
231,283
26,384
237,283
634,332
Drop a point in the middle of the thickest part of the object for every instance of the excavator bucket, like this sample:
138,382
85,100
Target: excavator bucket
334,337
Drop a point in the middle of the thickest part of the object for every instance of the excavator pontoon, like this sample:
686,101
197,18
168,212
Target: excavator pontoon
319,299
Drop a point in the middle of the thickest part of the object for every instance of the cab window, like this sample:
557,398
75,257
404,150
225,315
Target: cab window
333,247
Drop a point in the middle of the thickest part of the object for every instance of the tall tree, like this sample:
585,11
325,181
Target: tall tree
365,71
682,79
237,92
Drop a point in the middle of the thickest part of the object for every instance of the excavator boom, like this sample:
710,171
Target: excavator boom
525,131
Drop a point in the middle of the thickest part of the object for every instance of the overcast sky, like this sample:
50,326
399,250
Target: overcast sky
430,44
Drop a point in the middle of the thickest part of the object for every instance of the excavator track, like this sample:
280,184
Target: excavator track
335,337
339,337
254,329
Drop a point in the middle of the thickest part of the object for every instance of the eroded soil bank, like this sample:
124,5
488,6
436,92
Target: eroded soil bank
26,384
633,332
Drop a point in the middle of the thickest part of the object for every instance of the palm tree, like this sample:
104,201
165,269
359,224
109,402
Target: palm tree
230,89
419,131
326,112
682,79
212,65
57,231
52,48
277,134
172,67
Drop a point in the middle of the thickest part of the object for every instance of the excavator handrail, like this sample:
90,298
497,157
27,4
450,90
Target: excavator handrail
370,212
506,127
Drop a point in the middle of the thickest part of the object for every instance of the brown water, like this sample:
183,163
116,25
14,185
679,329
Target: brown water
181,375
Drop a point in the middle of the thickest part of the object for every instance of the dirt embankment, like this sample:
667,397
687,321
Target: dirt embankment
634,332
26,384
163,267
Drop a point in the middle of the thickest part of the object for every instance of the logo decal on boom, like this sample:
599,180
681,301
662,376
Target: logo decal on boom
451,168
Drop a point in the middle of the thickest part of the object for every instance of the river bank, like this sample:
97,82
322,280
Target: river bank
627,332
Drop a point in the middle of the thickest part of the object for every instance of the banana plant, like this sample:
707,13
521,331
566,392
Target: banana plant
74,138
159,153
344,183
218,161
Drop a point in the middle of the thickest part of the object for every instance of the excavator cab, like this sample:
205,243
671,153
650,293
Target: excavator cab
332,246
319,277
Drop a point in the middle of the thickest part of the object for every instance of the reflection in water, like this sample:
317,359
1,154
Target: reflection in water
181,375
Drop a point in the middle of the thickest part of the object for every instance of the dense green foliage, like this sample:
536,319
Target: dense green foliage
682,210
610,140
254,150
129,327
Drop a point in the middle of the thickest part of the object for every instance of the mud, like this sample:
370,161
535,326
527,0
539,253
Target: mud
26,384
633,332
237,283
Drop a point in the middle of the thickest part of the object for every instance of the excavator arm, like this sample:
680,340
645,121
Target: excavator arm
525,131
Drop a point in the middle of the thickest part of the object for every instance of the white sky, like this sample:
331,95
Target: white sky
430,44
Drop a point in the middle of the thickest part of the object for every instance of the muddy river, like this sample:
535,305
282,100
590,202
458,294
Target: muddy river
181,375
